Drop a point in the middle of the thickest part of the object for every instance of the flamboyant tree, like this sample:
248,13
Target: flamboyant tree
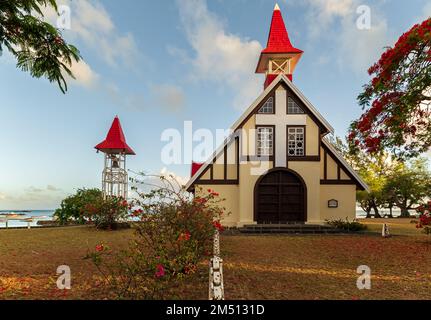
374,170
409,185
38,47
397,101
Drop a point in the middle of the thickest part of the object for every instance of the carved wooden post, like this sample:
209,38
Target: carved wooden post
216,287
385,231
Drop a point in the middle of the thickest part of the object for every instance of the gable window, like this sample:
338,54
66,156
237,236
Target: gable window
265,141
268,107
296,141
293,107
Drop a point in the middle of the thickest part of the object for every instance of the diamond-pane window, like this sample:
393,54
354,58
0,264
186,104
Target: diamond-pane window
296,142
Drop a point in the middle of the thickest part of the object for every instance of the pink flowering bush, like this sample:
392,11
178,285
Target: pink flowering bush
425,218
174,234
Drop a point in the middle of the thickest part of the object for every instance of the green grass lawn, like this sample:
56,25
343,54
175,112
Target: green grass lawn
255,267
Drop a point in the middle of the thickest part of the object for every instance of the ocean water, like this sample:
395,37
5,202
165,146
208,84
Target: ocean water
37,215
43,215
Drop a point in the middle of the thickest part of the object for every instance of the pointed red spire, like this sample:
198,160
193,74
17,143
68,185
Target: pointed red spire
279,50
278,40
115,141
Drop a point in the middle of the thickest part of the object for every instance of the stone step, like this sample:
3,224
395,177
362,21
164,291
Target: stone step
286,226
289,229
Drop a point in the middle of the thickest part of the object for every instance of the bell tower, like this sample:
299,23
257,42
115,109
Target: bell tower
115,148
280,56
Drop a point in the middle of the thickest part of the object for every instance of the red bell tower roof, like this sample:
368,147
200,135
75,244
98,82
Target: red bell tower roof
278,40
115,141
278,49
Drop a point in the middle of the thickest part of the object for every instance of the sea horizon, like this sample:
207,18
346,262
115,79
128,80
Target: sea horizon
47,214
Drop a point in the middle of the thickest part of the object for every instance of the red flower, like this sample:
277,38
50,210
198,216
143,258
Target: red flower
200,200
160,271
218,226
184,236
100,248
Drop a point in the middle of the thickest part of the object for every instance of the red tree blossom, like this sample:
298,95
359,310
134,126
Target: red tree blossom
397,101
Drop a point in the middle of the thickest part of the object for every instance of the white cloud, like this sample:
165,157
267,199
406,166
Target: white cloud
154,181
170,98
91,23
323,12
32,198
335,21
52,188
220,56
359,49
166,97
426,14
84,75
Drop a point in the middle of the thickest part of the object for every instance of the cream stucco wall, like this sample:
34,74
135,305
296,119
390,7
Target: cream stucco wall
346,197
310,172
231,203
312,138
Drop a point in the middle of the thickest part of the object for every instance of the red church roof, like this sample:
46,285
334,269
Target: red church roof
115,141
195,167
278,40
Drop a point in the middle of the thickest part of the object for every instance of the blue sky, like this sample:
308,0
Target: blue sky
157,64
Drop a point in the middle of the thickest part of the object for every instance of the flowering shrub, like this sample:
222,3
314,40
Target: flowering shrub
425,218
73,208
347,225
397,100
174,233
106,213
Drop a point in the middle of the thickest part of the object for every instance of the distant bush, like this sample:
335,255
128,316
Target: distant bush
346,225
73,208
89,206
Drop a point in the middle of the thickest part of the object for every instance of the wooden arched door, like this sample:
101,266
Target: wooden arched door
280,197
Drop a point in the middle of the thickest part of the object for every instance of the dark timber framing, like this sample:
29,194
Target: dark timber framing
338,180
210,169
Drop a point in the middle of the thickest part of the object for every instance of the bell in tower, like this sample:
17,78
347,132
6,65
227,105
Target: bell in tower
280,56
115,148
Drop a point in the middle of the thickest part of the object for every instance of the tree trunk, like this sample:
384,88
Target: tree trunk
390,212
405,212
368,214
376,212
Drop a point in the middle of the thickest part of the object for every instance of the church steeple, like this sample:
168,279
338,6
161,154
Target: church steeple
279,56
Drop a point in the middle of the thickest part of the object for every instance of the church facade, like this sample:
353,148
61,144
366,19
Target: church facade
277,166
